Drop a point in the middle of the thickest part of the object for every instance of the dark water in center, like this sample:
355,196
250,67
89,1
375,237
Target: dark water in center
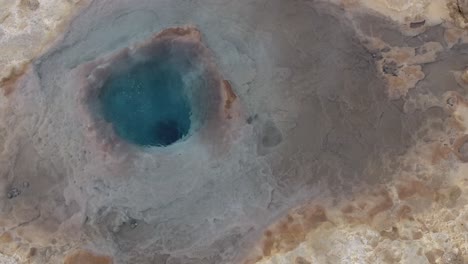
147,104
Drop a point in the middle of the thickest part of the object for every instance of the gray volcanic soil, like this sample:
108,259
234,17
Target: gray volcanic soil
317,121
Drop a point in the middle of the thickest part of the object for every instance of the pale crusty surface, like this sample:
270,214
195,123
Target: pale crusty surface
419,214
27,28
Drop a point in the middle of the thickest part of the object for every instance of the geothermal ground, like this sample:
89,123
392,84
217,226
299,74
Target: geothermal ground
219,132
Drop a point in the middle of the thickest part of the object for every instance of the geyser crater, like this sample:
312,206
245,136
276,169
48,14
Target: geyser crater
148,104
155,93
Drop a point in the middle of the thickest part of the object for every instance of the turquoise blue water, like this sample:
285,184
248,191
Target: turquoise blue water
147,104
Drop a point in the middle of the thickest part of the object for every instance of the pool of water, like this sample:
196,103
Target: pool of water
147,104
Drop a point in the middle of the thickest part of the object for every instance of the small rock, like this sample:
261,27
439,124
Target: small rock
464,76
390,68
463,6
14,192
376,56
452,101
251,118
417,24
133,224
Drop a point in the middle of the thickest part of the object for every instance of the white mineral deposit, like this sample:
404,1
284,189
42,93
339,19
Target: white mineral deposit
233,132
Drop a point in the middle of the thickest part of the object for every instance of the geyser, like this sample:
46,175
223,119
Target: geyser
155,93
148,104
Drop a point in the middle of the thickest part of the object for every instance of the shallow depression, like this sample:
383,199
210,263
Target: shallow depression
147,103
317,117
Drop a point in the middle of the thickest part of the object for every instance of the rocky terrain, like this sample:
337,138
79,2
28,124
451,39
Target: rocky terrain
340,136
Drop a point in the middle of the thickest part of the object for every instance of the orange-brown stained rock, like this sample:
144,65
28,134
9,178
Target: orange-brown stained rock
313,217
404,212
32,252
180,31
414,71
364,210
348,209
440,152
290,231
301,260
8,84
433,254
6,238
400,56
349,3
86,257
384,201
417,235
230,98
464,76
407,189
399,85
